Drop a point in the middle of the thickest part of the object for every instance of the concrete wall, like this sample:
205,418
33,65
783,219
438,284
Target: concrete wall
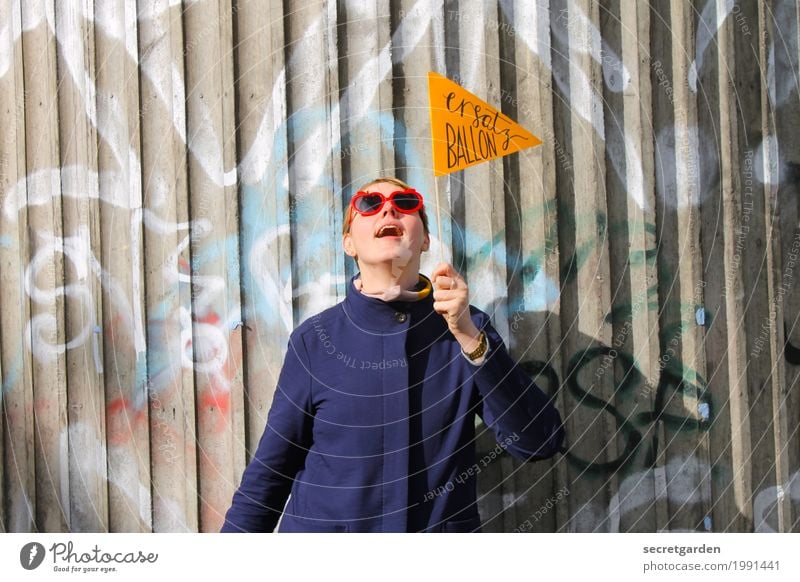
171,184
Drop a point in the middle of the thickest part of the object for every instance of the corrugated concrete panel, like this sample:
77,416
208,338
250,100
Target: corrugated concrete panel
78,141
172,180
15,369
43,271
120,253
162,403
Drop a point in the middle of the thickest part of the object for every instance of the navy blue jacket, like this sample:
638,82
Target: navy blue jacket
372,428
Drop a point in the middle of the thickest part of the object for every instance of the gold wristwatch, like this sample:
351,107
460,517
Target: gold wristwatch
480,350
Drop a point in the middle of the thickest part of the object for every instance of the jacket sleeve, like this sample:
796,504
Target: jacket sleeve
267,481
522,417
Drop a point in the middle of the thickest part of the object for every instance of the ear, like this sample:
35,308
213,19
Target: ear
426,243
347,244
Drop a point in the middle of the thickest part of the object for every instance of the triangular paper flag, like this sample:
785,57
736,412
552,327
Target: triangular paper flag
467,131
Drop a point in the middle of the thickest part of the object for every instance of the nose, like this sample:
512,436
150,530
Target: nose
388,209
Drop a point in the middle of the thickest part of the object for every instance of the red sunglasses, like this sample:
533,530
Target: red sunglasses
368,203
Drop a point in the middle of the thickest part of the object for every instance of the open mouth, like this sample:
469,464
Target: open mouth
389,230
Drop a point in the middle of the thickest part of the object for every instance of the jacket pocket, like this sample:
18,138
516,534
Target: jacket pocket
469,525
297,524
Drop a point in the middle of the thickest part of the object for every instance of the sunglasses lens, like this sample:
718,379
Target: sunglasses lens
406,202
368,203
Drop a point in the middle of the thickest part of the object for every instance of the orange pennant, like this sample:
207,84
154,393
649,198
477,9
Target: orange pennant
467,131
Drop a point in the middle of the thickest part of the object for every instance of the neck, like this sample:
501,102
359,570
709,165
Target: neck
378,277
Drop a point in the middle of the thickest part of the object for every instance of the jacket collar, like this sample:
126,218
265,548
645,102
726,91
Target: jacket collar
377,315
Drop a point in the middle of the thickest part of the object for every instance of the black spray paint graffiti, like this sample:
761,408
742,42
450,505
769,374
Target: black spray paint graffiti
631,427
790,351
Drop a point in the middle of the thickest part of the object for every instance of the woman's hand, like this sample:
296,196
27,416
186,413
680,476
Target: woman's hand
451,301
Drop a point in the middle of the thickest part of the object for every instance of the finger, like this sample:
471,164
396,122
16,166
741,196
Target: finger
439,269
450,306
444,282
444,294
455,277
459,295
442,269
446,303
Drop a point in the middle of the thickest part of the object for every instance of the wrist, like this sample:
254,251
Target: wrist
468,339
477,355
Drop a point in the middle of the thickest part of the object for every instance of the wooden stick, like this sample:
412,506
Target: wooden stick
438,218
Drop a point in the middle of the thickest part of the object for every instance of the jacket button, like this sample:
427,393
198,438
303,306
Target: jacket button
400,317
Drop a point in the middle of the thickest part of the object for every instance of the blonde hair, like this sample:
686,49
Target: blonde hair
348,213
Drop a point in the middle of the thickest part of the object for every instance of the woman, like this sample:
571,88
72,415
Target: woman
372,425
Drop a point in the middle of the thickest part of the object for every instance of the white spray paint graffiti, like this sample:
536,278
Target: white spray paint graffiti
767,500
42,328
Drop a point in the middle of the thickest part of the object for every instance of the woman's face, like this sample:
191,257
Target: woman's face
388,235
